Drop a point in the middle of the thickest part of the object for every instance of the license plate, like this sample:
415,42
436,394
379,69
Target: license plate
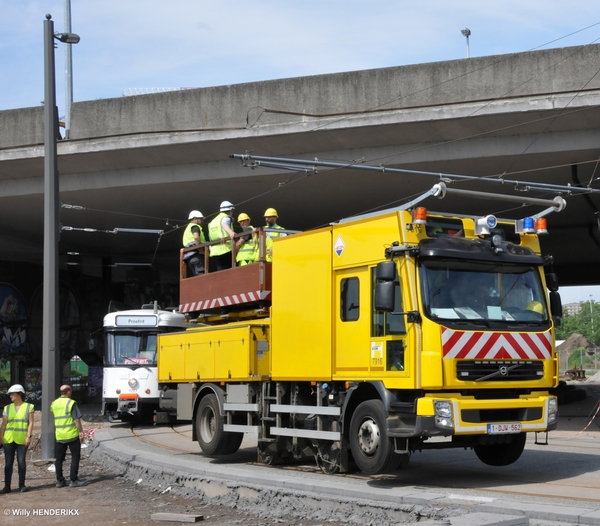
503,429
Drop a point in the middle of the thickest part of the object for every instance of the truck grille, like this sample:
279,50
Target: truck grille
499,370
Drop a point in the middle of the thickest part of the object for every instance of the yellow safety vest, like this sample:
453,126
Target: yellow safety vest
17,423
64,425
248,251
188,237
216,232
276,234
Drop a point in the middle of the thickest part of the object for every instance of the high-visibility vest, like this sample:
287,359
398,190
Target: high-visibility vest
188,236
248,251
276,234
216,232
17,423
64,424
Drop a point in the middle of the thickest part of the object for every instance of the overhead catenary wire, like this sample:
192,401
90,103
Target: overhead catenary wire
284,163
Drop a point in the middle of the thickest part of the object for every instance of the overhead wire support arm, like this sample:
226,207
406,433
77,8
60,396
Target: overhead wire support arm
293,164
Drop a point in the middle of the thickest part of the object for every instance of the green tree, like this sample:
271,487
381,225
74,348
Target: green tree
584,323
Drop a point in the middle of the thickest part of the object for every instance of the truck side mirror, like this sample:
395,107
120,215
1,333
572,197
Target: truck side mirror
384,296
385,271
552,282
556,307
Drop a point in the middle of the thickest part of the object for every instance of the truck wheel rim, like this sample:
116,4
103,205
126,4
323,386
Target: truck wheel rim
368,437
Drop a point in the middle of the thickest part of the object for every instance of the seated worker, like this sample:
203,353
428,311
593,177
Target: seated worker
219,229
193,235
247,246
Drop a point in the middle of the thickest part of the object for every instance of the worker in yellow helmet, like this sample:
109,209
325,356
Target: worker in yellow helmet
247,247
271,223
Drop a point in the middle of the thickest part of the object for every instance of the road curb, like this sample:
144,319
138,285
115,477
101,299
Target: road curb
226,483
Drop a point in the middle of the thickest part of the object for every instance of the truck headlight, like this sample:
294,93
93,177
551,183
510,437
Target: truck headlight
133,383
443,408
443,413
552,410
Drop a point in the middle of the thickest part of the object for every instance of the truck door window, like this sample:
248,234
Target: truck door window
389,323
350,299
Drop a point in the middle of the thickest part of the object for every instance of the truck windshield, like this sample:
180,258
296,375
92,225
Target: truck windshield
479,291
130,348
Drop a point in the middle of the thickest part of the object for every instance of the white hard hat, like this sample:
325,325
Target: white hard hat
194,214
226,206
17,388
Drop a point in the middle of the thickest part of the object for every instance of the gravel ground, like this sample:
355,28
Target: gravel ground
114,496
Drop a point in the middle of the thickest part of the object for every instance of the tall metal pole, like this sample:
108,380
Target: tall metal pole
68,72
50,332
467,33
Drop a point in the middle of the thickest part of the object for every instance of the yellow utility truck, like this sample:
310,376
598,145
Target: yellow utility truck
373,338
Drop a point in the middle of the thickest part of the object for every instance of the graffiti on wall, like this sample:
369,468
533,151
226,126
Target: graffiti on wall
13,321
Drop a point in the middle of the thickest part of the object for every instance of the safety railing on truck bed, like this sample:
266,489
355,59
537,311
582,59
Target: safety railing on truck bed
213,291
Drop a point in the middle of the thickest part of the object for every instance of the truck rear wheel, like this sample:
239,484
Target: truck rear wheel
502,454
371,448
209,429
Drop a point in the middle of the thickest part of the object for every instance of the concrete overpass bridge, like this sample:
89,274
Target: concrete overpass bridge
144,161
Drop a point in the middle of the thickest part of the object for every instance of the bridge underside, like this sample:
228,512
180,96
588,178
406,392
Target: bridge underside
125,174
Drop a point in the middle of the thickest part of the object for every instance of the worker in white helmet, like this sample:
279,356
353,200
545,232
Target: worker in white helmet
16,432
194,236
220,229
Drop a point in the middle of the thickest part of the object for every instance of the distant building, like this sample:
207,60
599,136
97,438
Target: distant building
572,308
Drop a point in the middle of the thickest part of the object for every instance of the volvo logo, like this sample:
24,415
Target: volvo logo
503,370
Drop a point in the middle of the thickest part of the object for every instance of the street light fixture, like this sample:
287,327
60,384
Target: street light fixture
467,33
51,319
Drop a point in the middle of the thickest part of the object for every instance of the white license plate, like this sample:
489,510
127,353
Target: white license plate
503,429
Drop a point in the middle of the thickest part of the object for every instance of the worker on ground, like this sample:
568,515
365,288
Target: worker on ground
15,434
192,236
220,229
247,247
68,433
271,222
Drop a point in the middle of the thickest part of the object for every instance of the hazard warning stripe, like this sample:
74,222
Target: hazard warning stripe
480,345
225,301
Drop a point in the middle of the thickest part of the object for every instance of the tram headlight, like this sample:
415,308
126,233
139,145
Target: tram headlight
133,383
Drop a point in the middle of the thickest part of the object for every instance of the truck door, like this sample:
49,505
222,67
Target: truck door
390,340
352,323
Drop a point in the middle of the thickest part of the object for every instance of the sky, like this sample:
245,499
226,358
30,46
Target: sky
197,43
133,44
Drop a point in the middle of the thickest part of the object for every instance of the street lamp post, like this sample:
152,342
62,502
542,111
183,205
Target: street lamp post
68,72
50,322
467,33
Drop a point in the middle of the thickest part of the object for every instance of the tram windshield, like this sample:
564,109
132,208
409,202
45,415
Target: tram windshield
482,292
130,348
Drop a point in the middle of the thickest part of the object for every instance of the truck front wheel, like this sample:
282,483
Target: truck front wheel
502,454
371,448
209,429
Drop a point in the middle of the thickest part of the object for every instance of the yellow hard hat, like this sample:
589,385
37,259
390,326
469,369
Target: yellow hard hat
536,306
243,217
271,212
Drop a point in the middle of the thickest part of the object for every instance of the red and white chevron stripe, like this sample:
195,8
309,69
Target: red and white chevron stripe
496,345
225,301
